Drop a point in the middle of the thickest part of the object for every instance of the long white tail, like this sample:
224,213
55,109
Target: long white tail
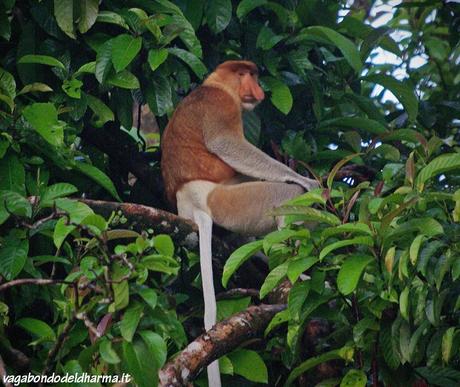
204,222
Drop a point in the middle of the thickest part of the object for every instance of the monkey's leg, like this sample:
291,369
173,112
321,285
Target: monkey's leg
244,208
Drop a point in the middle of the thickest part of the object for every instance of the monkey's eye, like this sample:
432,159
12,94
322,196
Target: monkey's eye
241,74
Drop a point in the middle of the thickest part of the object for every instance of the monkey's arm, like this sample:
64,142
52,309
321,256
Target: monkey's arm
247,159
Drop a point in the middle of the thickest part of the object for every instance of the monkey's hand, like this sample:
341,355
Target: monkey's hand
306,183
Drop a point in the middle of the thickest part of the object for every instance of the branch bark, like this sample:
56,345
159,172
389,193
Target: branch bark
221,339
139,217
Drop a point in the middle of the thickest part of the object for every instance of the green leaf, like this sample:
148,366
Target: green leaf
7,83
307,213
447,344
238,257
120,289
279,236
249,364
281,96
13,203
267,39
428,226
280,318
439,49
337,167
387,151
218,14
102,112
156,57
98,176
273,279
353,139
440,375
227,308
111,18
72,87
297,296
77,211
88,14
137,358
159,96
149,296
404,303
345,45
345,353
164,245
191,60
351,271
44,119
354,378
8,100
374,37
63,12
42,59
440,164
364,124
415,248
124,79
12,174
130,321
89,68
251,125
103,61
37,328
188,35
299,60
156,346
107,352
61,231
389,347
246,6
362,240
5,144
124,49
402,90
13,255
352,228
225,366
298,266
33,87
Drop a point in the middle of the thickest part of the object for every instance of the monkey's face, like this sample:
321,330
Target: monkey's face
251,94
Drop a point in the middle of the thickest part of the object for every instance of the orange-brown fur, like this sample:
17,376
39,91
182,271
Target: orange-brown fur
216,176
183,147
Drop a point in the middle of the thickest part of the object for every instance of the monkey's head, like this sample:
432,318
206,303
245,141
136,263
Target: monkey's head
242,78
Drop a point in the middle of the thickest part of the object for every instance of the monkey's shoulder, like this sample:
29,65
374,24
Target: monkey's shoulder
211,99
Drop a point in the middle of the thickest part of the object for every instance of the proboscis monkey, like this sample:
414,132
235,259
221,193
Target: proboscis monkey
213,174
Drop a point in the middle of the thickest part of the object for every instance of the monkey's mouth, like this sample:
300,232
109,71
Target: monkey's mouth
250,100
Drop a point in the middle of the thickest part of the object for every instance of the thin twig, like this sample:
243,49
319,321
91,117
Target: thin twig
88,323
51,358
32,281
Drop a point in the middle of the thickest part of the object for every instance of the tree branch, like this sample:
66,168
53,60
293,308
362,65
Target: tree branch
32,281
140,217
219,340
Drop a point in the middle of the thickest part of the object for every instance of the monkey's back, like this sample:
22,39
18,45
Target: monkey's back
184,155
